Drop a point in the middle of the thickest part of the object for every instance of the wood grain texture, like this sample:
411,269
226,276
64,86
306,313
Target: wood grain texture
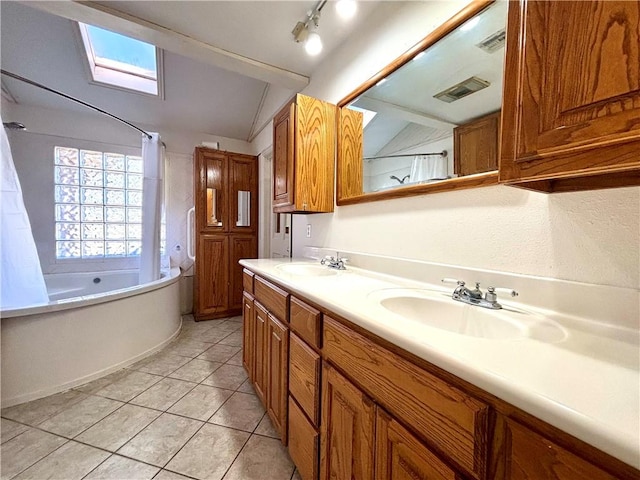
277,375
347,438
401,456
210,169
571,100
275,299
243,176
261,375
247,280
211,282
304,377
475,145
248,336
241,246
306,321
350,173
304,443
315,151
284,156
455,423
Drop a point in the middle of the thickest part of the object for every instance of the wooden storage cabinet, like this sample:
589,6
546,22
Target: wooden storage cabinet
304,137
475,145
260,377
277,378
571,99
304,442
248,335
226,201
304,377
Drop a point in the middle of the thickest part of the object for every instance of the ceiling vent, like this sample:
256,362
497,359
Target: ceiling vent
494,42
462,89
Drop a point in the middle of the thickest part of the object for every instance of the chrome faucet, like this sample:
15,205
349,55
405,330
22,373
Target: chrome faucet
334,262
475,296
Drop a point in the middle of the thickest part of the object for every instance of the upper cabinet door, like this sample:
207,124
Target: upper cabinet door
211,191
571,115
243,194
283,156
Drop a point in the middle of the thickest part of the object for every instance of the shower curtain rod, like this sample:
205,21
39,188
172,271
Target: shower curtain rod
69,97
443,153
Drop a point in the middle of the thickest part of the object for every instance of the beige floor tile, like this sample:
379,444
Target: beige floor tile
33,413
163,394
72,461
229,326
237,319
120,468
201,402
246,387
242,411
219,353
167,475
73,420
196,458
163,363
92,387
196,370
227,376
214,335
26,449
261,455
118,428
234,339
160,441
10,429
236,359
129,386
265,427
187,348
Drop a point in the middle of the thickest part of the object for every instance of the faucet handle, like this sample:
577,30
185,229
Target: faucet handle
492,296
453,280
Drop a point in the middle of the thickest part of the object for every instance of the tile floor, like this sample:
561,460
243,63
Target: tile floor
186,412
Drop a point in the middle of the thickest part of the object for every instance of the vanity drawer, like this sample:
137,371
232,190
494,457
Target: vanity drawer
274,299
303,443
304,377
442,414
306,321
247,281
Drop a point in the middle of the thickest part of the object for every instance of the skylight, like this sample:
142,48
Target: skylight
121,61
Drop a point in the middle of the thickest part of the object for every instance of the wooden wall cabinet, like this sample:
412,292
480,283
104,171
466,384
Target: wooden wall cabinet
571,102
226,227
304,143
476,145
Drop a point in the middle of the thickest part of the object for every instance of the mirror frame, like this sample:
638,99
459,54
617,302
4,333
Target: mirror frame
459,183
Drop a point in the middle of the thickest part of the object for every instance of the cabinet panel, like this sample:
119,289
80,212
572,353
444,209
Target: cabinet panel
306,321
261,328
277,378
350,181
448,417
247,281
283,156
571,92
243,208
401,456
475,145
303,443
242,246
304,377
211,282
248,336
210,191
272,297
347,429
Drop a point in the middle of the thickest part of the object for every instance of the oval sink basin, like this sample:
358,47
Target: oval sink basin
305,269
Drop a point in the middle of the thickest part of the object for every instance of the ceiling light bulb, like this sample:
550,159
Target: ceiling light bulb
346,8
313,45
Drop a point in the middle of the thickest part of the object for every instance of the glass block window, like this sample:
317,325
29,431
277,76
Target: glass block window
98,204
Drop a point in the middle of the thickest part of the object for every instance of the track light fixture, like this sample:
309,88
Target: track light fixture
306,31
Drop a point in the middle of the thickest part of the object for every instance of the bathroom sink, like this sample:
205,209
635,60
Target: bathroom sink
438,310
306,269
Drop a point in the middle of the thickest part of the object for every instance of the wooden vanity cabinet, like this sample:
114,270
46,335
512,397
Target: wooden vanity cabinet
304,139
571,98
476,144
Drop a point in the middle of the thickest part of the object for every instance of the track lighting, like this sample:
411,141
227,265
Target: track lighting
346,8
306,31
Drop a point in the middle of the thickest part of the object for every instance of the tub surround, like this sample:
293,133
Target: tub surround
51,348
586,382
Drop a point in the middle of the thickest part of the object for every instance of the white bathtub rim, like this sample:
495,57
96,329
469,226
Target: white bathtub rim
45,392
93,299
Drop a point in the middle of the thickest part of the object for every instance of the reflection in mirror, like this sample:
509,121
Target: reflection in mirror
244,209
213,219
434,118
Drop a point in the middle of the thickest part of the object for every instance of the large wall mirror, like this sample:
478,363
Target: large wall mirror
431,120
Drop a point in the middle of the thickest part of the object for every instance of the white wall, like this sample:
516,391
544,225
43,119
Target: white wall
587,236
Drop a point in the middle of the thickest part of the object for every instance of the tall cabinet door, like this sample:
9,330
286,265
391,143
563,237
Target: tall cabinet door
211,284
278,366
241,246
243,194
211,198
248,336
347,429
261,317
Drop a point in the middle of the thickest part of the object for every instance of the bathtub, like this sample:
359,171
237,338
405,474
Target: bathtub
95,324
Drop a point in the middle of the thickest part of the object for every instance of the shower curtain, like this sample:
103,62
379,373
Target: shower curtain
152,197
21,280
428,167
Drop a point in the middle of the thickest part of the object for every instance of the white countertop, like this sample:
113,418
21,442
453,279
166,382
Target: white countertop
587,384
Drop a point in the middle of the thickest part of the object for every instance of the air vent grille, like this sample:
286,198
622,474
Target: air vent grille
494,42
462,89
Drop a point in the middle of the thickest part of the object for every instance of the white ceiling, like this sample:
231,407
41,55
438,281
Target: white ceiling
220,57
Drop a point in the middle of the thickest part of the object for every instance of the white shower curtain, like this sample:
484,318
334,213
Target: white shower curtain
21,280
428,167
152,196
